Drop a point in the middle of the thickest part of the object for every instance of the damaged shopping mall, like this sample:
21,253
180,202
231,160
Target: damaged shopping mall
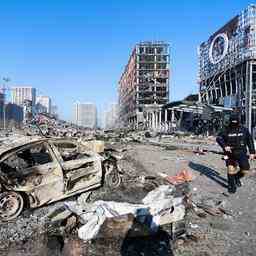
227,66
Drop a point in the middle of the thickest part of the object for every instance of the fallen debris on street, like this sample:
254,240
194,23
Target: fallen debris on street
150,213
131,208
182,176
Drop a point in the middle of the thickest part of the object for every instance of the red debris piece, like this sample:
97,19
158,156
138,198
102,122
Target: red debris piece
181,177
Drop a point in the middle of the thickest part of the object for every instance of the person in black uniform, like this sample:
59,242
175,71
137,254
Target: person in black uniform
234,141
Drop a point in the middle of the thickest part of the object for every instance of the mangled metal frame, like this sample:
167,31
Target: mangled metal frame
51,181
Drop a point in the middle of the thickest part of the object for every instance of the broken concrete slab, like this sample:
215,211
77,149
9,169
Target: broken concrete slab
153,212
97,146
123,226
58,214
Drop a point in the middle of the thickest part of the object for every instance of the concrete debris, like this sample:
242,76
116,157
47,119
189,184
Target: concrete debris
151,213
96,146
211,208
123,226
162,192
58,214
47,125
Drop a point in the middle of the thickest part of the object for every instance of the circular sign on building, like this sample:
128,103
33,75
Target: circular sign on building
218,48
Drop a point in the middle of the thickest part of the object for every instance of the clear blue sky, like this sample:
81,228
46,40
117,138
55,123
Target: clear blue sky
76,49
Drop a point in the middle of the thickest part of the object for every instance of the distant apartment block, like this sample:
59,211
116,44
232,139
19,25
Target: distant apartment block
86,115
22,94
54,111
111,117
12,112
43,104
2,100
144,84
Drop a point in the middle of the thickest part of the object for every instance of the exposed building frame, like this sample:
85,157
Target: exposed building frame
227,66
144,84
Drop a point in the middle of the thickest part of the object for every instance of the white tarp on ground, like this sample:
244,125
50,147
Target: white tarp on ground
159,204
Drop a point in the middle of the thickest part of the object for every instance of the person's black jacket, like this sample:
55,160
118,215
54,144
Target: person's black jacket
238,138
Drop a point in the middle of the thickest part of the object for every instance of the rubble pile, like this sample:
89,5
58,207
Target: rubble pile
150,213
46,125
174,141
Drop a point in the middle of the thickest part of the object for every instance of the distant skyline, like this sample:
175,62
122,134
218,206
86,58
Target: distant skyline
76,50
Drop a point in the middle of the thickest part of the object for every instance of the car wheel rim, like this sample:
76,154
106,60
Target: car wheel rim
11,205
113,179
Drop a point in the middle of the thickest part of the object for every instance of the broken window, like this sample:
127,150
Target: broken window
161,66
146,66
163,89
161,58
161,80
141,50
254,81
159,50
146,73
150,50
233,82
69,151
148,58
31,156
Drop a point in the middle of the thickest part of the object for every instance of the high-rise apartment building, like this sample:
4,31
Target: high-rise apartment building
43,104
2,102
22,94
86,115
144,84
54,111
111,117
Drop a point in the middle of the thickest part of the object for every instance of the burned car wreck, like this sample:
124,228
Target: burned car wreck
36,171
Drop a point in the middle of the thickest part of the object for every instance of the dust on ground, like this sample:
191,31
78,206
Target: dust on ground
228,235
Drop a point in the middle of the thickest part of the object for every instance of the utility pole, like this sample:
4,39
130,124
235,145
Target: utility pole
4,88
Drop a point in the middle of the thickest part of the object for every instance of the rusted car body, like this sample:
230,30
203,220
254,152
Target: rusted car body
40,171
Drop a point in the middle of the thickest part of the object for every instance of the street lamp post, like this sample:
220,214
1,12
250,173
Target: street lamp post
4,116
6,80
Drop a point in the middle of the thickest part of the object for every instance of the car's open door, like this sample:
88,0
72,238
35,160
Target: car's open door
81,170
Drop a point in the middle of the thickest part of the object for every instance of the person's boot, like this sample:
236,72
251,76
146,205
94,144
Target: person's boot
232,183
238,181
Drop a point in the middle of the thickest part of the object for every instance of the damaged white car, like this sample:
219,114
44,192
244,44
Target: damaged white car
37,171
